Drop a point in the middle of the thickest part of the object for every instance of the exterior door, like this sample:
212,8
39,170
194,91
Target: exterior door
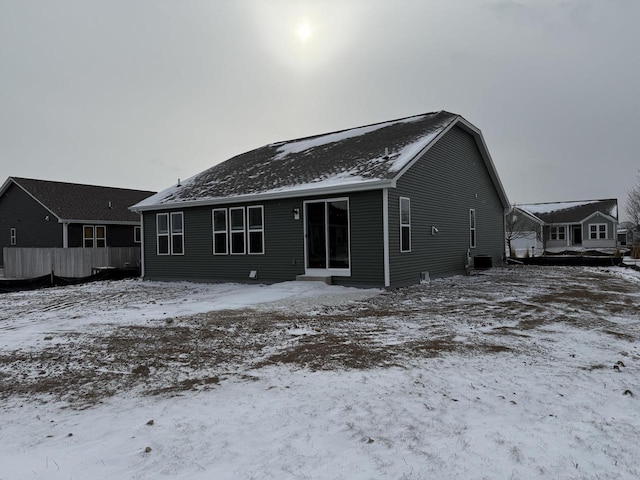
327,237
577,234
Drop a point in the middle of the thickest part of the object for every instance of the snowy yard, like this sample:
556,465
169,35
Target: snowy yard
518,373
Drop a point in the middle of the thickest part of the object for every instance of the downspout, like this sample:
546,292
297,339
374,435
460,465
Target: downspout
385,233
141,245
65,234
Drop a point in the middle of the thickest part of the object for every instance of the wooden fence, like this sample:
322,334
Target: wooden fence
66,262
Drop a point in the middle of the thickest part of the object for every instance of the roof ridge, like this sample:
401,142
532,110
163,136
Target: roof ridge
18,179
293,140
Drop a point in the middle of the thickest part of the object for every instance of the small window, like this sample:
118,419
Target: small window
162,232
87,236
405,224
236,217
558,233
256,229
12,233
472,228
137,234
220,244
177,233
94,236
101,236
598,231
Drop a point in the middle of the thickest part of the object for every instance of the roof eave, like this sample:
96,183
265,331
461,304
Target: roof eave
306,192
484,151
99,222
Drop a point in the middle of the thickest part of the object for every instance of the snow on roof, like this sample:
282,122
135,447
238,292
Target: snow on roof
357,156
559,212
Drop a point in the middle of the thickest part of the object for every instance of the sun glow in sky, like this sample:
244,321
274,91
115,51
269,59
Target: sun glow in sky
303,30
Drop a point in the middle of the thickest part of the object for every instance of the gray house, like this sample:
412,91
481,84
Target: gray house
565,226
42,213
386,204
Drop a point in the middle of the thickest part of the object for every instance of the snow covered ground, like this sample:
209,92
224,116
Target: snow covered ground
521,373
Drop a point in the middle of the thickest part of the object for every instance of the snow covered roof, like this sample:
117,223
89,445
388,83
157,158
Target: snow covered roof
570,212
358,158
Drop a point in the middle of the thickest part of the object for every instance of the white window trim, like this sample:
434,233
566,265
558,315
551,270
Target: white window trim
473,230
12,234
335,272
180,234
137,234
597,231
255,230
94,238
237,230
557,230
405,225
225,231
158,234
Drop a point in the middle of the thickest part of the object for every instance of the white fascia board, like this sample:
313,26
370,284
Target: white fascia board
261,197
530,215
11,180
484,152
608,217
486,156
98,222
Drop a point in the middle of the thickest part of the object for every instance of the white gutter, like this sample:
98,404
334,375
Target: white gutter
288,193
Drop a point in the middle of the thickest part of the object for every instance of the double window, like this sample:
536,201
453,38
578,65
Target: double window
170,233
94,236
597,231
232,227
472,228
12,234
405,224
558,233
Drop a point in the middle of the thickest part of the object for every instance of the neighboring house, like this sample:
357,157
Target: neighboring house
386,204
41,213
565,226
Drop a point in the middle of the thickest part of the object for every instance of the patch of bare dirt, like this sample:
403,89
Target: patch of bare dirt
487,314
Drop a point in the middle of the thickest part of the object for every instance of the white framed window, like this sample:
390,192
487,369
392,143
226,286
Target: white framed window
405,224
237,229
558,233
162,233
597,231
12,234
177,233
220,232
472,228
255,227
137,234
94,236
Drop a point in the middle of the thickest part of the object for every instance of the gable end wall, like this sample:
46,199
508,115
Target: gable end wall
443,185
20,211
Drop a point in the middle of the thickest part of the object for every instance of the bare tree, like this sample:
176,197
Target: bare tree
633,202
517,226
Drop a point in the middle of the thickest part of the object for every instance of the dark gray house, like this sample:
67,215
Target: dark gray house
386,204
41,213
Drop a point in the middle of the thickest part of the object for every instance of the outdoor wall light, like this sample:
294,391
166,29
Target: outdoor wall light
434,230
296,213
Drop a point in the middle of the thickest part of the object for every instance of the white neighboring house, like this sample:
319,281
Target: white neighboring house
575,226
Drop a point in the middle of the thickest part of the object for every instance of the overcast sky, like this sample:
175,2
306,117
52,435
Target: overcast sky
139,93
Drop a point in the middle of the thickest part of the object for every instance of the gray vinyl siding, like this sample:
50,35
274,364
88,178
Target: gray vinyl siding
283,238
20,211
443,185
367,247
283,259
